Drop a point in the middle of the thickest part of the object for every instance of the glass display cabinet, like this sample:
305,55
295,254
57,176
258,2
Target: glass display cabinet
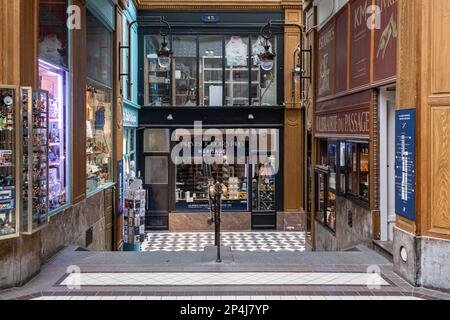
35,112
9,165
53,80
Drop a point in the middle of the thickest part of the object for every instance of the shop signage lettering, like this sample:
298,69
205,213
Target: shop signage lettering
351,123
130,117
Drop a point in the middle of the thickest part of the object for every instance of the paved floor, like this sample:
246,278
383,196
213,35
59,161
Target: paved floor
238,241
256,275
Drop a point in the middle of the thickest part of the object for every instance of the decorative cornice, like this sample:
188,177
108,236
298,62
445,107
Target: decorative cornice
219,5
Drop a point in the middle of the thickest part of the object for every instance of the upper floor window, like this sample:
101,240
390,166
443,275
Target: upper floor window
209,70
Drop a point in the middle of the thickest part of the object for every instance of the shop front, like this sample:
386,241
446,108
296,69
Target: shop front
353,127
211,101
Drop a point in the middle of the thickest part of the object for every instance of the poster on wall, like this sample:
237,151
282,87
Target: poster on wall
360,44
405,163
385,55
326,60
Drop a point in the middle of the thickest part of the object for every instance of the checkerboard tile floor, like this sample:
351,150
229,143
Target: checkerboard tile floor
238,241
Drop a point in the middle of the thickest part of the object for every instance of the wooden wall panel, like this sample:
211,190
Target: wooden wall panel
118,121
409,22
29,46
440,46
294,121
440,170
78,104
424,83
19,42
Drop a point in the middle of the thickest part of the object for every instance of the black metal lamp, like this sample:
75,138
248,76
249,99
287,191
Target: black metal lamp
267,58
164,54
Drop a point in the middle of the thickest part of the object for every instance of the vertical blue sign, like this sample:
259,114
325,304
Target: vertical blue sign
405,163
120,186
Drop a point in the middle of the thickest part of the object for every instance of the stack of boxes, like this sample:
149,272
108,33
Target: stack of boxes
134,219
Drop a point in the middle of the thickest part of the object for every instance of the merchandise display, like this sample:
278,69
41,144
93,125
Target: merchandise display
192,186
35,108
98,137
134,215
263,184
158,80
8,215
52,79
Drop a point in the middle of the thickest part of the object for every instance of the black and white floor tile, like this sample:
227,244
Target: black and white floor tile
238,241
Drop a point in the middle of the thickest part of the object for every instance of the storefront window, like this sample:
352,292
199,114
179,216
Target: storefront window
352,157
99,51
129,153
342,168
264,83
192,181
204,76
99,137
53,80
211,70
185,68
364,172
325,199
157,79
53,32
237,71
263,185
332,164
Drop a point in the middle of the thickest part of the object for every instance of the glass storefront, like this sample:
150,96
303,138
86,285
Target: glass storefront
209,70
99,137
99,109
53,80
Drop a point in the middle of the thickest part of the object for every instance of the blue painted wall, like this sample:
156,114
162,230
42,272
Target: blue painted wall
104,10
129,16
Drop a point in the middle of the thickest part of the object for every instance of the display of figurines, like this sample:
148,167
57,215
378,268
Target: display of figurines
7,109
6,226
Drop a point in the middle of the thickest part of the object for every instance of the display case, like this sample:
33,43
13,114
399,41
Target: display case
263,185
53,80
98,137
325,198
35,113
9,162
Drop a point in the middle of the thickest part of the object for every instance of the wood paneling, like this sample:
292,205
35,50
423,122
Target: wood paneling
440,47
294,122
407,54
78,103
424,84
293,160
118,122
440,170
19,42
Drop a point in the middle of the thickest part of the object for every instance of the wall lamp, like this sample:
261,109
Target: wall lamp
164,53
302,57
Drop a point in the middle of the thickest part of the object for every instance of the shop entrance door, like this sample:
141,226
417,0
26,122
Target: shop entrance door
156,166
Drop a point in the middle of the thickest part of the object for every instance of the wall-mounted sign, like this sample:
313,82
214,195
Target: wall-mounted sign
210,18
348,123
405,163
130,117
